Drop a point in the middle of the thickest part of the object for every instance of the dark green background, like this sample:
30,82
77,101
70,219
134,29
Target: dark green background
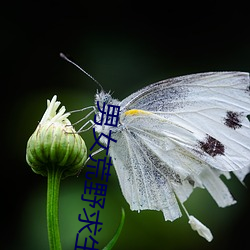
125,45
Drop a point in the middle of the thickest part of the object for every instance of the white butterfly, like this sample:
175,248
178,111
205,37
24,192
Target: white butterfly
178,134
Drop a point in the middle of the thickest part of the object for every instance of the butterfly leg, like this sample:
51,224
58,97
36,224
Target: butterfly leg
81,129
94,153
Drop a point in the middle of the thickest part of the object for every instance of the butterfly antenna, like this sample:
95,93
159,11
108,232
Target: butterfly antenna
68,60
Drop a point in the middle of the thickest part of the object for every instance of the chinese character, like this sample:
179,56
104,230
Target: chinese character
94,202
90,223
112,115
107,138
105,170
100,189
85,243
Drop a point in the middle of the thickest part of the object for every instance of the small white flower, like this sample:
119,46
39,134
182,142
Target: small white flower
55,143
50,114
200,228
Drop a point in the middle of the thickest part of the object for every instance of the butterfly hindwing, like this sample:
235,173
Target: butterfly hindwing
141,184
153,166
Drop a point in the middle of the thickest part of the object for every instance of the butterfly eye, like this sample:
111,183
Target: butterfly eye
107,98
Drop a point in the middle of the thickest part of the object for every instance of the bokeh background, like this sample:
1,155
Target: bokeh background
125,45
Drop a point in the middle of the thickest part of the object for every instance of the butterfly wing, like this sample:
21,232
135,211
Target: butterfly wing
213,106
153,169
181,133
138,178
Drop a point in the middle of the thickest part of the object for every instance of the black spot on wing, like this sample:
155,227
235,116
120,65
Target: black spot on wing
190,181
233,119
248,89
212,146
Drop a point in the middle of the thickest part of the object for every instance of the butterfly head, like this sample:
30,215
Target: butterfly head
106,97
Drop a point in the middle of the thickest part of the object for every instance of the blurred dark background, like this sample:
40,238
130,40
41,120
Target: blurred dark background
125,45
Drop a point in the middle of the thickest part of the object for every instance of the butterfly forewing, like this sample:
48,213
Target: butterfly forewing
176,93
213,106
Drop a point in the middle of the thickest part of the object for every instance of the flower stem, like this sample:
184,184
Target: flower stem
54,177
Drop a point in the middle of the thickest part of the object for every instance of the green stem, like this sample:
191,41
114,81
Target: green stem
54,177
117,234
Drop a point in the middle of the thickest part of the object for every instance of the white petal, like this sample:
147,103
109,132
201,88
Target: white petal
200,228
51,114
48,113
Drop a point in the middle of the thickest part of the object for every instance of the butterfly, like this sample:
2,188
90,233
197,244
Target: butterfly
179,134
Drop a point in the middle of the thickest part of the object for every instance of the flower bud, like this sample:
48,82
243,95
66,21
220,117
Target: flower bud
55,143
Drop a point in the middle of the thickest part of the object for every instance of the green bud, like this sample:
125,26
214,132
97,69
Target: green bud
55,143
